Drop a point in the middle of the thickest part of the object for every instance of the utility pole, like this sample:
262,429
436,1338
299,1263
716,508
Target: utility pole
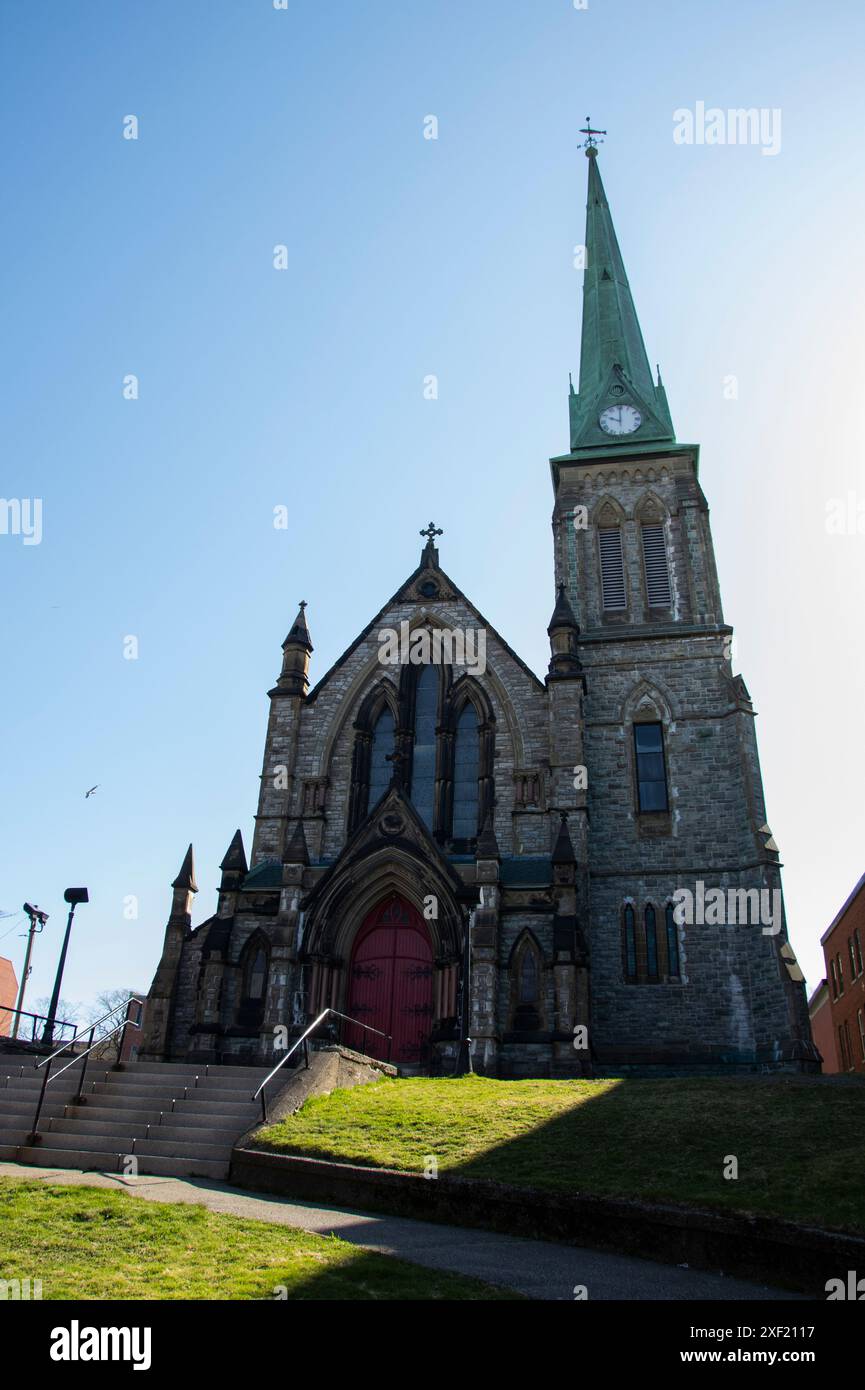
38,918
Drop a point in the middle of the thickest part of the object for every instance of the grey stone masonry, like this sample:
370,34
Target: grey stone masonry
566,886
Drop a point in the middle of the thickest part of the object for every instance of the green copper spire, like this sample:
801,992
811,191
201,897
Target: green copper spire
616,384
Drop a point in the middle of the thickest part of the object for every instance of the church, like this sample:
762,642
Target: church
483,866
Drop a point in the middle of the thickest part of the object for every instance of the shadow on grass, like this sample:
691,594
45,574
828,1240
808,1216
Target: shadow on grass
789,1148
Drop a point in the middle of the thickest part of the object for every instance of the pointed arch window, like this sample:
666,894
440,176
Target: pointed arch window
256,974
651,767
612,568
440,723
423,773
528,978
651,942
254,969
630,927
650,947
465,784
672,940
655,565
380,770
526,1003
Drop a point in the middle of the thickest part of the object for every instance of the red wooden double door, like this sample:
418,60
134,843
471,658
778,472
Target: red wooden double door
391,983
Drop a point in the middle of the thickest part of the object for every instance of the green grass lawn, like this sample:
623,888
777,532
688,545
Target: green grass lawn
800,1143
87,1242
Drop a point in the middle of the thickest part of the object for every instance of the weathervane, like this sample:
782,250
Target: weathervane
590,142
431,532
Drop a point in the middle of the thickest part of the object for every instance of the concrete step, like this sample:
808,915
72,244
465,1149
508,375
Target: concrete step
176,1118
107,1161
156,1148
147,1086
97,1100
25,1107
120,1142
82,1123
174,1085
31,1084
244,1074
195,1122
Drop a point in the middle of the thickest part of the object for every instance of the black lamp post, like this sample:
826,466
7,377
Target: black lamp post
72,896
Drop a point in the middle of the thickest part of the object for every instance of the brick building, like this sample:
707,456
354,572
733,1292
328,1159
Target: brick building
823,1028
412,802
8,995
844,952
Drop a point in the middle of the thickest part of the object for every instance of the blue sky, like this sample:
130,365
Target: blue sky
305,387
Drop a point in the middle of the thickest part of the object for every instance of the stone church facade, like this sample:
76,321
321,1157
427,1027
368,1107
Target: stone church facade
564,876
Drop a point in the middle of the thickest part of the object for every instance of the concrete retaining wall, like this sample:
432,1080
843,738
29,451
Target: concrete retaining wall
777,1252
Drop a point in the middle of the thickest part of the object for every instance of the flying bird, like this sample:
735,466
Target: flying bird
91,791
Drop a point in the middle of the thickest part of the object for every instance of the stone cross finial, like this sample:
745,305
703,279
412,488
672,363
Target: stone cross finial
431,532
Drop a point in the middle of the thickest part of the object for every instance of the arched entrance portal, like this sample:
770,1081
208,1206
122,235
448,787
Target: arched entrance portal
391,982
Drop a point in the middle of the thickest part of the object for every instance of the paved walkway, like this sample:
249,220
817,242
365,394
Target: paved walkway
538,1268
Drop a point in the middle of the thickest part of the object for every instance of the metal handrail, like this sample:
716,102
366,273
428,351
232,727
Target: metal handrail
133,999
34,1136
134,1022
26,1013
304,1038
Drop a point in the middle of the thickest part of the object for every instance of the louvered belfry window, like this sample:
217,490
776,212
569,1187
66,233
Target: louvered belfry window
657,571
612,568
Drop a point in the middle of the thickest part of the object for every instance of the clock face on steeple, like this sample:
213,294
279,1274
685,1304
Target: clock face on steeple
620,419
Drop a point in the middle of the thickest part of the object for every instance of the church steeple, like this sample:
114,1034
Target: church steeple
618,401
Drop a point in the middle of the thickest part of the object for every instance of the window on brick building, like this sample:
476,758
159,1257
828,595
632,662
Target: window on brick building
842,1048
834,979
651,770
853,971
858,945
839,966
860,1019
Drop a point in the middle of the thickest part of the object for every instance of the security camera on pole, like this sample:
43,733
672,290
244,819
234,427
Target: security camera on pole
38,918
